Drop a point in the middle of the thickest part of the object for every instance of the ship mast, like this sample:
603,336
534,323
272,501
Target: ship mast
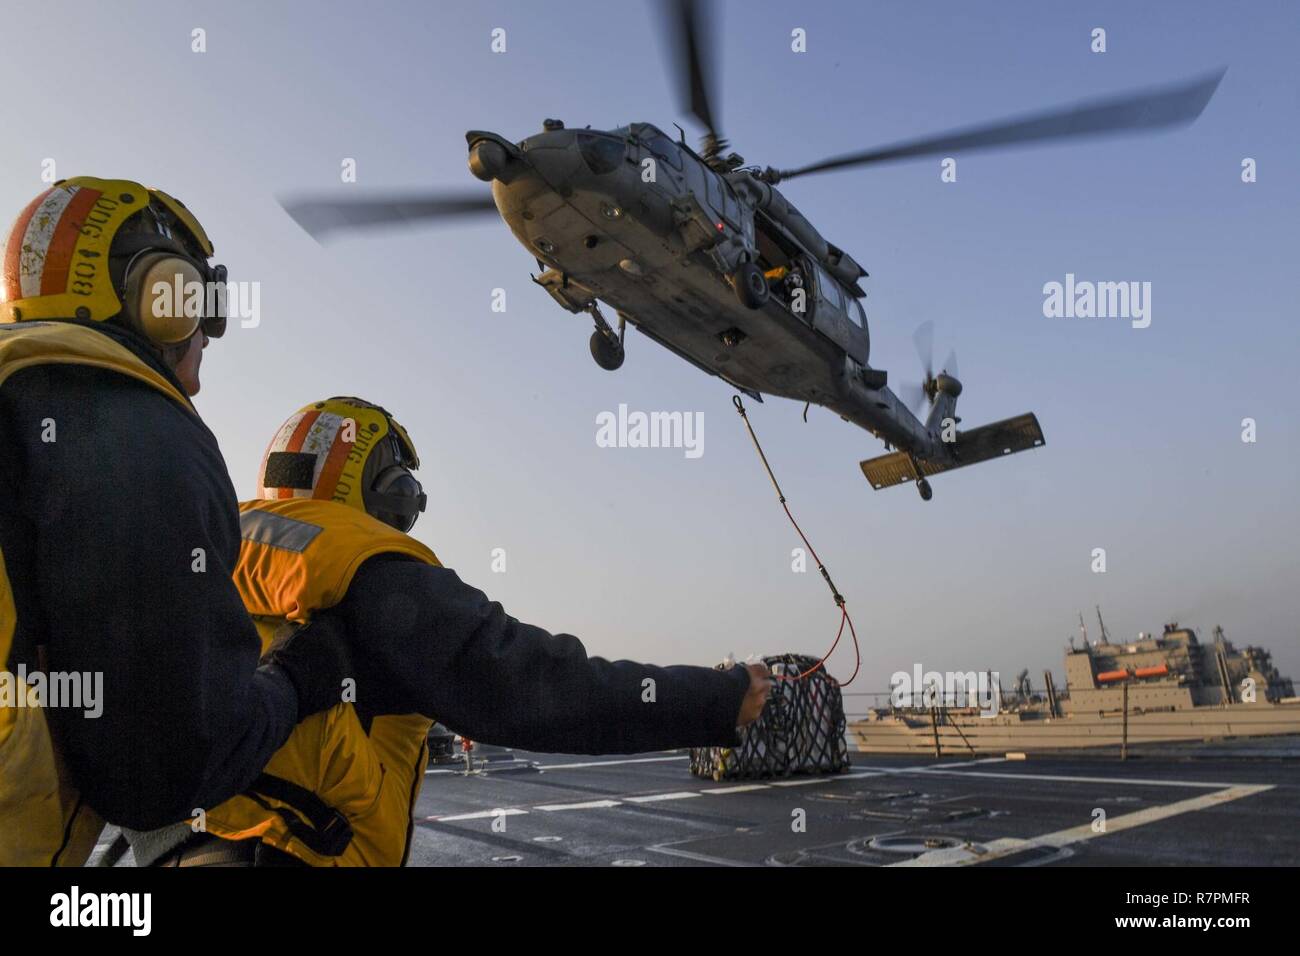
1105,638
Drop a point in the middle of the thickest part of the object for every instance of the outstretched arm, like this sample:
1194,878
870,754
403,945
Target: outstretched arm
431,644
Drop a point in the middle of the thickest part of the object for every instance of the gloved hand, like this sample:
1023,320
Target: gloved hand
760,686
316,658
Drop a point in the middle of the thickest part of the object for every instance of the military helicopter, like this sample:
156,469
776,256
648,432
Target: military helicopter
705,256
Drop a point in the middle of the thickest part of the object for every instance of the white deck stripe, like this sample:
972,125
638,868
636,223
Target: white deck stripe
607,763
482,814
698,857
588,805
1062,778
799,783
961,856
656,797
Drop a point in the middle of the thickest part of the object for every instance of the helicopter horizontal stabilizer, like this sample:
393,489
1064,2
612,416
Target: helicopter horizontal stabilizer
979,444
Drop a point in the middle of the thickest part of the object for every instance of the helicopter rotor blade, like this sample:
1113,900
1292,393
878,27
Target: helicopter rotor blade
1142,110
915,397
320,217
923,339
950,364
690,41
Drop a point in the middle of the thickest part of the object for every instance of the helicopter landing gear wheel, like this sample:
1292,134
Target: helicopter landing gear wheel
608,354
923,487
750,286
606,344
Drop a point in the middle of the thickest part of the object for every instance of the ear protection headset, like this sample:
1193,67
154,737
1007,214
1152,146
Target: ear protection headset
165,291
372,470
395,496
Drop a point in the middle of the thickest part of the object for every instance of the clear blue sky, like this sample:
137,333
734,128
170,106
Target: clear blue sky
649,555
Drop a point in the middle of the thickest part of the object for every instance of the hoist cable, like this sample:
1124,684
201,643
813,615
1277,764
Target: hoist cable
839,598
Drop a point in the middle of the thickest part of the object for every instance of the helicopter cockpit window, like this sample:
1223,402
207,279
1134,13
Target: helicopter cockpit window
602,154
663,147
856,314
830,289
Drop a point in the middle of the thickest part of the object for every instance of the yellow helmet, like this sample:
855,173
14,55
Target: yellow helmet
98,249
347,450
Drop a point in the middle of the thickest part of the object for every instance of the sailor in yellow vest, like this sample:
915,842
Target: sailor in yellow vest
337,496
130,682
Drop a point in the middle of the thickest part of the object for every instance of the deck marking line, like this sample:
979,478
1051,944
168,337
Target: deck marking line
655,797
588,805
607,763
796,783
697,857
480,814
952,771
960,856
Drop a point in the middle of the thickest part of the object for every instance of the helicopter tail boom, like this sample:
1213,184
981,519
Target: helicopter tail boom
994,440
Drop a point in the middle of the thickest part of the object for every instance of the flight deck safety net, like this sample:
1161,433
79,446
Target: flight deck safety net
801,730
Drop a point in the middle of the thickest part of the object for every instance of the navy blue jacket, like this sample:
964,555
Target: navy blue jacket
99,530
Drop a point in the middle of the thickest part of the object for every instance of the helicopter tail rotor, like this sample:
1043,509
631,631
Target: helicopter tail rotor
944,382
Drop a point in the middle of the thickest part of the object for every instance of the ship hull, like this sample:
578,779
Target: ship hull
1008,732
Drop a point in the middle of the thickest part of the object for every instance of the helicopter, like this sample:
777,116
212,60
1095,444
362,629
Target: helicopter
704,255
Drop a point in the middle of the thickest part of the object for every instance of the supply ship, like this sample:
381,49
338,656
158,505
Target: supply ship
1158,689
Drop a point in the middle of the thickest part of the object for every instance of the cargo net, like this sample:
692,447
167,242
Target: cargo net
801,730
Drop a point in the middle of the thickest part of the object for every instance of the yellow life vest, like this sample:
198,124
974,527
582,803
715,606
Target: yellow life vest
336,793
43,820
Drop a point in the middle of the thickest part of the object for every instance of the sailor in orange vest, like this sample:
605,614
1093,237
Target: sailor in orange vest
119,530
337,496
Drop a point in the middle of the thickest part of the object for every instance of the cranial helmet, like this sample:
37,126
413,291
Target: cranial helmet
101,249
346,450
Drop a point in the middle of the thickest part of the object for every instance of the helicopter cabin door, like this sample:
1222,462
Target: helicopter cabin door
839,316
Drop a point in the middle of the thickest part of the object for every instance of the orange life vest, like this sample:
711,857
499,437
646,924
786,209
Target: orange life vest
337,793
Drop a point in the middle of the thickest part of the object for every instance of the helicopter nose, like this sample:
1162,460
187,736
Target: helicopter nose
552,155
555,157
